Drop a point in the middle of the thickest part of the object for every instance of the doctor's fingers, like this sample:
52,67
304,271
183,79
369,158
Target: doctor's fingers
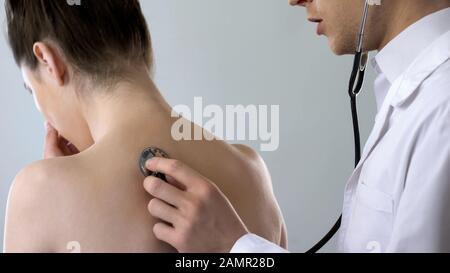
179,171
163,211
165,191
165,233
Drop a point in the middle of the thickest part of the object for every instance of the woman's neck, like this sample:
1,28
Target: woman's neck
132,107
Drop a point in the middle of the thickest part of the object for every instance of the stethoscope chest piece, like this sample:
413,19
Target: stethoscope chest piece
148,154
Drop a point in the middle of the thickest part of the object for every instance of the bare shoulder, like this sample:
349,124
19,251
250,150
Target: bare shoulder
247,151
33,201
261,211
254,163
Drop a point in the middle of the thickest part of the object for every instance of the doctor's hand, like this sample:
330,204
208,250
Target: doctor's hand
55,145
196,216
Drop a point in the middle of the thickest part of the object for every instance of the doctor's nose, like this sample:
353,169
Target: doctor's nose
299,2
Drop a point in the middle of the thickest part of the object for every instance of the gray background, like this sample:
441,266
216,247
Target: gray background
234,52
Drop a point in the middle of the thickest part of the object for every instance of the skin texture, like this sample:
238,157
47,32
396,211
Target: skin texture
89,188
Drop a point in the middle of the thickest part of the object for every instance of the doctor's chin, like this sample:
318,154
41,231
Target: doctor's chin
217,136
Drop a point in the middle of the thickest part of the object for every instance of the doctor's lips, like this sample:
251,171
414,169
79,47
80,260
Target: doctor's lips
319,21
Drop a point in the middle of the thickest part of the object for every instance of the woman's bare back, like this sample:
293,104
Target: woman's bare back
96,202
106,104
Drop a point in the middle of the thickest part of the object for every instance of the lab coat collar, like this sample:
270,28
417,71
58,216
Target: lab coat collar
430,59
405,85
395,58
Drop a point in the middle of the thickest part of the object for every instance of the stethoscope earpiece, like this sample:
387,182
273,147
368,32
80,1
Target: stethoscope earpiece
148,154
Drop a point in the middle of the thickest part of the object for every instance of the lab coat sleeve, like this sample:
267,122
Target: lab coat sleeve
422,219
252,243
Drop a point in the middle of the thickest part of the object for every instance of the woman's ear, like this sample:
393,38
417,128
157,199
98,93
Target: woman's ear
52,61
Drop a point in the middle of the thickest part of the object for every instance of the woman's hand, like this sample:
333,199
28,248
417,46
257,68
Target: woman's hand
196,216
55,145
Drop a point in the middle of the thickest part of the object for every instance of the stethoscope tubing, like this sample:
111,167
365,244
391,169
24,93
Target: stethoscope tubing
355,85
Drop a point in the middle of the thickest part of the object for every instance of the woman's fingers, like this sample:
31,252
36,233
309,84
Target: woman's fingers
72,149
51,145
66,147
55,145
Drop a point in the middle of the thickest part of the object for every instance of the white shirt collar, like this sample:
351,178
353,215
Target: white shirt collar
395,58
400,53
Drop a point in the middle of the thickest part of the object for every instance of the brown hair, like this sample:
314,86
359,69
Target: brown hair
98,38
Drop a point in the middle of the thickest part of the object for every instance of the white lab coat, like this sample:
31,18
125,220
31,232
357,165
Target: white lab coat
398,197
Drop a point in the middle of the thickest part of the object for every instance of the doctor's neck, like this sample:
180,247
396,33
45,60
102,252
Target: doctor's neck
402,14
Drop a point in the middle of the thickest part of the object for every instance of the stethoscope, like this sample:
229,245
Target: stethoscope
355,85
